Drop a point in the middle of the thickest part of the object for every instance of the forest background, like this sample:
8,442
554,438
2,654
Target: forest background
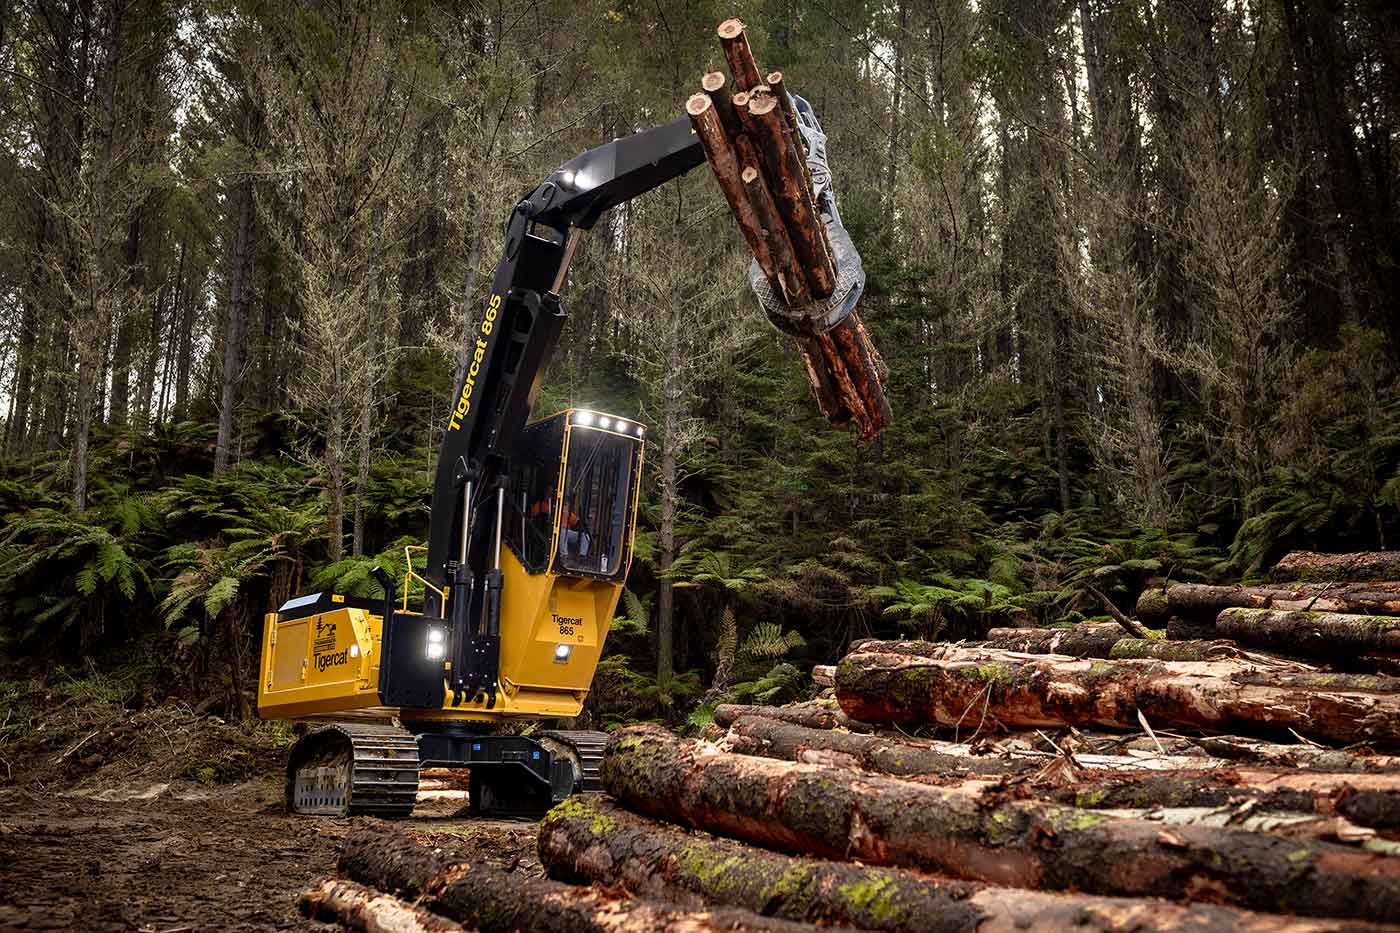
1132,265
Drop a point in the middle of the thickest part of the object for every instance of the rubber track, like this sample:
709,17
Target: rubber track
384,776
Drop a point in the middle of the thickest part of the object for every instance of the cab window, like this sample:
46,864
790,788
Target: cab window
594,509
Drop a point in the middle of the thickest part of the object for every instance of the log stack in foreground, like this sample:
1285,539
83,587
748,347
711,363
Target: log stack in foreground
748,127
1043,780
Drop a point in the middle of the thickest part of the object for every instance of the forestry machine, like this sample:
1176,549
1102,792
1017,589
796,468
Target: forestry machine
529,545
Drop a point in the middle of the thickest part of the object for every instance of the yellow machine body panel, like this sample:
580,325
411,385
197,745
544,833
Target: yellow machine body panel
319,664
553,620
329,662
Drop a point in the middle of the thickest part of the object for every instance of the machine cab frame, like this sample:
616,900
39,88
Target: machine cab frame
574,490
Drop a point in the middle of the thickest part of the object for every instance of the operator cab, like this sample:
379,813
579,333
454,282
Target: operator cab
574,484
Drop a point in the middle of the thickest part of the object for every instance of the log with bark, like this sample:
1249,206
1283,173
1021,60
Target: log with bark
734,39
840,814
756,129
1090,781
489,899
815,714
590,839
1105,640
1313,567
1311,634
360,908
1203,602
719,152
969,687
1152,609
786,174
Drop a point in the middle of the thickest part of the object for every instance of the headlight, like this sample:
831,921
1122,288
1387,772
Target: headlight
605,423
641,430
435,649
561,653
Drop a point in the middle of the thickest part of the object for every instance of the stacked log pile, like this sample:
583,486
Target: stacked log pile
1087,779
748,126
1352,623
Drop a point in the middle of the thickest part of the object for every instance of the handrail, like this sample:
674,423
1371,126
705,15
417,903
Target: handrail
410,574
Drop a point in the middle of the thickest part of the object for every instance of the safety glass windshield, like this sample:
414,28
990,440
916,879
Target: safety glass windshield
593,514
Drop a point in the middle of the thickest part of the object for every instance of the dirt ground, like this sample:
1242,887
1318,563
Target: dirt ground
116,815
167,858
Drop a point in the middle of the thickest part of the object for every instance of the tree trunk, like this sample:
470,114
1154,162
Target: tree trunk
1322,568
146,370
965,687
240,271
589,839
335,477
489,899
670,500
845,815
814,715
361,908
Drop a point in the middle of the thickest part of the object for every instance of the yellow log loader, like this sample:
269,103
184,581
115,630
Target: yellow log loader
529,544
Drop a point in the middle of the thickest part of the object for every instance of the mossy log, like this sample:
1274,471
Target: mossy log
970,688
1099,640
815,714
1363,799
360,908
1311,634
1152,607
590,839
1203,603
877,820
489,899
758,735
1099,781
1312,567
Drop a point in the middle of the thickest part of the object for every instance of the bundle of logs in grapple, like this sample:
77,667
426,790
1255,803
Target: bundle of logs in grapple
1090,779
749,130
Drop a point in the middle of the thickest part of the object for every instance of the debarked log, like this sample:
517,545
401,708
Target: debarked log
842,814
1034,692
360,908
1311,634
590,839
493,900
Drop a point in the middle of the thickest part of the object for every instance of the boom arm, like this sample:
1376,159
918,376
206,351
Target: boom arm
510,350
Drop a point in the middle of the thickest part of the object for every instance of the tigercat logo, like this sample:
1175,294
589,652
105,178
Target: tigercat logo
566,620
464,403
324,661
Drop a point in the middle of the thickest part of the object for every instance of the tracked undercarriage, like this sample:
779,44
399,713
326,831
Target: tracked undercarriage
371,769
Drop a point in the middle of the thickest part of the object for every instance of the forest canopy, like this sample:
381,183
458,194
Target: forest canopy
1132,266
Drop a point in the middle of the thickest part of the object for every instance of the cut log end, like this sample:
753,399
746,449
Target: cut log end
712,81
731,28
761,103
697,104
